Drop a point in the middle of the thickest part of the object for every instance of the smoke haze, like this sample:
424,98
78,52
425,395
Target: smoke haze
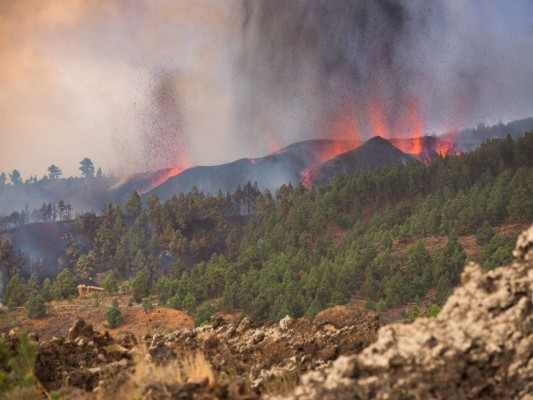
145,85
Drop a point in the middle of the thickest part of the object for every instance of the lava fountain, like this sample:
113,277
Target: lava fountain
344,136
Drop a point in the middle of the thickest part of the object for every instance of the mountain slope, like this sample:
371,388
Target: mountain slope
282,167
376,152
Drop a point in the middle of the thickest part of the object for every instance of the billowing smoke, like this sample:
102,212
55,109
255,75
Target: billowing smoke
144,85
389,64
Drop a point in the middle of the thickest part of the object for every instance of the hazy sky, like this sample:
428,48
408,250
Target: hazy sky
138,85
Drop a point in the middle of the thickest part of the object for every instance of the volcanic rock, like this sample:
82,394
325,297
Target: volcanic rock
78,360
480,346
341,316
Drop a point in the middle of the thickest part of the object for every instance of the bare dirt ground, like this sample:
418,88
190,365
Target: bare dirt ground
61,315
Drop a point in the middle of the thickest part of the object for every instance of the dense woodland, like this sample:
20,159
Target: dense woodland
298,250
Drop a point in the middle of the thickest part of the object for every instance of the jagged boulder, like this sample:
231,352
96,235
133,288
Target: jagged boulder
479,347
264,354
341,316
79,360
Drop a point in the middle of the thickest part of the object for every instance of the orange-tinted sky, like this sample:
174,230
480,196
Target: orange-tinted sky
78,79
146,84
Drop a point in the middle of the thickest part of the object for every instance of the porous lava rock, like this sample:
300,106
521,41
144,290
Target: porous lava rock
480,346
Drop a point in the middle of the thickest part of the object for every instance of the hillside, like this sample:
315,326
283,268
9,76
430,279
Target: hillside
336,356
375,153
295,163
299,250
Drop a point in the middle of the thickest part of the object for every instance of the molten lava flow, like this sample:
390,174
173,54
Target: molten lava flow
344,126
410,146
159,178
444,148
447,144
165,176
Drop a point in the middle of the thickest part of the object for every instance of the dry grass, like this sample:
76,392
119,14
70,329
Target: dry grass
189,368
281,385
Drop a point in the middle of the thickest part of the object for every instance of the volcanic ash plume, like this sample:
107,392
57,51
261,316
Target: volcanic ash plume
139,85
163,138
400,68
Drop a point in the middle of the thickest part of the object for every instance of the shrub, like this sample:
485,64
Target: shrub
414,313
113,315
204,314
96,299
382,305
369,305
125,287
147,305
433,311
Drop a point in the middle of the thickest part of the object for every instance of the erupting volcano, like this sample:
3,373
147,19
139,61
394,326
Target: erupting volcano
160,177
406,133
344,126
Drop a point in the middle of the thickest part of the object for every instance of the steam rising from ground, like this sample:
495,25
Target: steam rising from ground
144,85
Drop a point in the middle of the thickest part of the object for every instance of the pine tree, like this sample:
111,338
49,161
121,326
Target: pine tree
64,285
204,314
16,291
189,303
109,283
114,315
36,306
54,172
87,168
134,205
141,285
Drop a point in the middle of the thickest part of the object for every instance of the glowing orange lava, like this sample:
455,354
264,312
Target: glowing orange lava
447,144
378,120
344,136
411,131
159,178
166,175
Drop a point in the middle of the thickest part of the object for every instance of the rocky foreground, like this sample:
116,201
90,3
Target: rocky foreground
479,347
227,359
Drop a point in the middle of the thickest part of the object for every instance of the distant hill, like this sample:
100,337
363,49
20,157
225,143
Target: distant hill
312,161
270,172
483,132
83,193
376,152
